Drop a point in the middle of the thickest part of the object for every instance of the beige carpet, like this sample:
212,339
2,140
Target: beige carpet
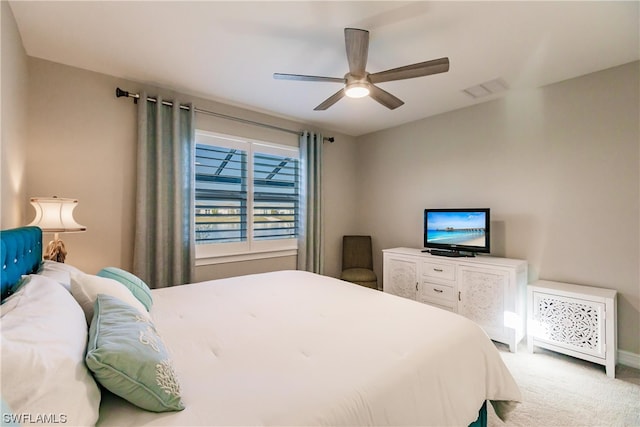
559,390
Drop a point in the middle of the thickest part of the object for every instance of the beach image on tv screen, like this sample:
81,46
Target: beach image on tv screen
456,228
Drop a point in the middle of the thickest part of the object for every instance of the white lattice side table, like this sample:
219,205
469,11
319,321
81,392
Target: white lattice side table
576,320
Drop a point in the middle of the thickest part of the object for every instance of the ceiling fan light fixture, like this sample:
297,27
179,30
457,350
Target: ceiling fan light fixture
359,83
357,90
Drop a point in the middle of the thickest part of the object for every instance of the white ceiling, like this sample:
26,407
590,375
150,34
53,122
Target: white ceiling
228,51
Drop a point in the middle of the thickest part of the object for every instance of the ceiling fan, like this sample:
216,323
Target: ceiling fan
359,83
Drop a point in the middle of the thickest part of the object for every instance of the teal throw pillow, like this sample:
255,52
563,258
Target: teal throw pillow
138,288
127,356
9,419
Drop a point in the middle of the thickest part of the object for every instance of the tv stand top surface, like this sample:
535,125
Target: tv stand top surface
478,259
451,254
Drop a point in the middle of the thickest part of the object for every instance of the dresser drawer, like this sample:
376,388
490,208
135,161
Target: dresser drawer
433,292
439,271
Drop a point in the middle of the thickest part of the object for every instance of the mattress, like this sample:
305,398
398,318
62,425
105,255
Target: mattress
296,348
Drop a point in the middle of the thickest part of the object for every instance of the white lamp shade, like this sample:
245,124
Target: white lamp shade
55,214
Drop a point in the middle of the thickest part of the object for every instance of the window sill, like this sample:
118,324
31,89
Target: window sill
246,256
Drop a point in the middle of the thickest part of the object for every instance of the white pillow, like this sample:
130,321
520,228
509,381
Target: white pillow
58,271
12,300
86,287
43,341
60,266
60,276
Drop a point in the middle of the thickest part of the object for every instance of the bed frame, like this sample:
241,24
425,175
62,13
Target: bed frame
21,253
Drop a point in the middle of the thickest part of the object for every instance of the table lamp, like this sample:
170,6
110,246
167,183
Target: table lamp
55,215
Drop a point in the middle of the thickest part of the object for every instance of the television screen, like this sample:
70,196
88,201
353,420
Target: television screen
457,229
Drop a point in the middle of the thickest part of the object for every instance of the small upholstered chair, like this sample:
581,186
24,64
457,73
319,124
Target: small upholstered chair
357,261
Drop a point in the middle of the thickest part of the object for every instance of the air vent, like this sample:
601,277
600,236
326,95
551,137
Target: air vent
487,88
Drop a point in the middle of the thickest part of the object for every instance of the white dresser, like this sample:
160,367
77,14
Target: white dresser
490,291
572,319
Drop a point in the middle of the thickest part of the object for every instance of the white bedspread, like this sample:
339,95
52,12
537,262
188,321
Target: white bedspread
294,348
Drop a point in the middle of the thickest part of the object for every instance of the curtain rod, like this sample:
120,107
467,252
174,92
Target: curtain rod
120,93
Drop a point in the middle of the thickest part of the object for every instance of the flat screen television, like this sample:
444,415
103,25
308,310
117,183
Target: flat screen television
456,232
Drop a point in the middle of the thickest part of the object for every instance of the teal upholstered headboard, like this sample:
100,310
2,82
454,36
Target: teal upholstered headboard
21,253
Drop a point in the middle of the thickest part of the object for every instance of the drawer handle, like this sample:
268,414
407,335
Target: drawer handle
439,270
438,290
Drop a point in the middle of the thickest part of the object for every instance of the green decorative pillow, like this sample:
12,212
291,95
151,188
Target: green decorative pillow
136,285
8,417
127,356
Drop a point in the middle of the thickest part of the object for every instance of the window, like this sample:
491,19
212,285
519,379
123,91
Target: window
275,197
246,197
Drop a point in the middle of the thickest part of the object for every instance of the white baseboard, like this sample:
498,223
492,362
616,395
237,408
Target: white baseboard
629,359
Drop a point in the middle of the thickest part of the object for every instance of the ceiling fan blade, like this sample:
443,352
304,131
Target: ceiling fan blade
384,98
420,69
331,100
281,76
357,44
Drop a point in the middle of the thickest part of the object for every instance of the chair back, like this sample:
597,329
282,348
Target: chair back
357,252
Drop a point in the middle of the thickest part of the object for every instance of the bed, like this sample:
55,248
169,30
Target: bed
275,349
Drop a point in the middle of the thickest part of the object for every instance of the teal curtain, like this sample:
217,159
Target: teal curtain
164,229
310,233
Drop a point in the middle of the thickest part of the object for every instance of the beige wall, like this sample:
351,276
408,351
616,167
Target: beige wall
13,122
558,167
81,143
